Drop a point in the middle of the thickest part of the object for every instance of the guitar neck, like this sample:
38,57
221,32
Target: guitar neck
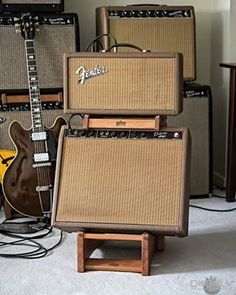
34,92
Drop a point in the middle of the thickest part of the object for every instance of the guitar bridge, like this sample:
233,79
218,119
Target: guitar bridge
44,188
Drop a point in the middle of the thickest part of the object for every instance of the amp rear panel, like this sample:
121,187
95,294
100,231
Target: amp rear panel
122,180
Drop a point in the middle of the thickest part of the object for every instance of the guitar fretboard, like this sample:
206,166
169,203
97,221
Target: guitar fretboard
34,92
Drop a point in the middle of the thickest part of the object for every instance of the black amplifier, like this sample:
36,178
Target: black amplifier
31,5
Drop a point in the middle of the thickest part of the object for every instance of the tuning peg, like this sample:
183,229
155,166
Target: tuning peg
36,24
37,30
16,19
18,30
17,25
36,18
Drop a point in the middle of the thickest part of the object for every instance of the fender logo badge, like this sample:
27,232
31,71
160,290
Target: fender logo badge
85,74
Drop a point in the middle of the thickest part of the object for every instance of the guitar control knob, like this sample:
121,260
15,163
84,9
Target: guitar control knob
143,135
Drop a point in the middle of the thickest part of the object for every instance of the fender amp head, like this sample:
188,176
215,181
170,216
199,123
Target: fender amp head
129,83
159,28
31,5
126,180
57,34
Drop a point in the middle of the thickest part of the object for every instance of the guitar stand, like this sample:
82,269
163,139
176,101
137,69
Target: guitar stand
89,242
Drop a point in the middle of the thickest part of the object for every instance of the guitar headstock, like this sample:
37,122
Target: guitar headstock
26,25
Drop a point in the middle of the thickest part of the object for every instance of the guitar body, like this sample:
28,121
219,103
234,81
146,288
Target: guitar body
22,180
6,158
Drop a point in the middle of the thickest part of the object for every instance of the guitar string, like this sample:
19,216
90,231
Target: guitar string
43,173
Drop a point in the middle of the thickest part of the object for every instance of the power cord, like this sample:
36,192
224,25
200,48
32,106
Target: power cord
214,210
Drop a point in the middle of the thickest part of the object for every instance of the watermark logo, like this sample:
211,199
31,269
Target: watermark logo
211,285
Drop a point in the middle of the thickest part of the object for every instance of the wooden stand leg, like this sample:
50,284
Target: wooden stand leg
80,252
88,242
148,249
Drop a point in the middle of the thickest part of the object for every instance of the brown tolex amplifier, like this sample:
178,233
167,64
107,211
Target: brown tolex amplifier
123,180
129,83
57,34
159,28
31,5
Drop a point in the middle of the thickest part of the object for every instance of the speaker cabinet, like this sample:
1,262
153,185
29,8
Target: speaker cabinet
197,116
159,28
31,5
56,35
131,181
141,83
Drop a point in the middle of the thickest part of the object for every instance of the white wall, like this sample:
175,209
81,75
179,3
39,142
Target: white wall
219,80
215,28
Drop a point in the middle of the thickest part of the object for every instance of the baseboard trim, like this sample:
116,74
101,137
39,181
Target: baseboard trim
219,180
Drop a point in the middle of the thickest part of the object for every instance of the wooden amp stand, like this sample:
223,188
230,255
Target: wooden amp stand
87,243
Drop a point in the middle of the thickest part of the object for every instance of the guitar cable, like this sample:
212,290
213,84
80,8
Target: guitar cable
39,250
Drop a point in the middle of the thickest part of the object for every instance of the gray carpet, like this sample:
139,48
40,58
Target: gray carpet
202,263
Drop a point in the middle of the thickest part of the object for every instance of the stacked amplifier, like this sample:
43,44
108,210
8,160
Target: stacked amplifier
162,28
124,170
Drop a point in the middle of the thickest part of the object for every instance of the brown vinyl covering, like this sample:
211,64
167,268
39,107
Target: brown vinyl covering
135,83
131,184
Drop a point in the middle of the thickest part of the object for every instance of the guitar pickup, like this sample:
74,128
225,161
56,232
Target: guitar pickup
37,136
39,158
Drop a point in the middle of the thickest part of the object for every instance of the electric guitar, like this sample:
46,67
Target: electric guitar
28,182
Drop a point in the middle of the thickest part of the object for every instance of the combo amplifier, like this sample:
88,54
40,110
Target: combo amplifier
159,28
122,180
131,83
197,116
31,5
57,34
17,109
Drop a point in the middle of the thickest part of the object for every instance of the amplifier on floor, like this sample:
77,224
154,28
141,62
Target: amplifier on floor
122,180
197,116
142,83
31,5
56,35
159,28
